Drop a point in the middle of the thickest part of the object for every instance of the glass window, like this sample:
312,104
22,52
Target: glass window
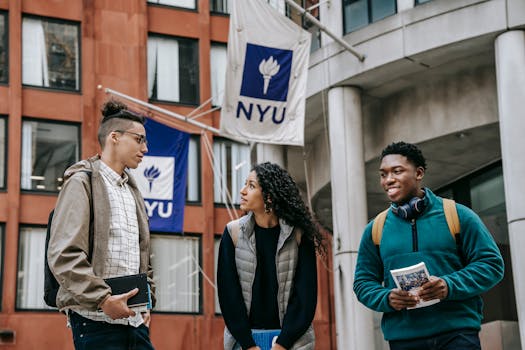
381,9
4,68
3,147
173,73
48,148
50,54
421,1
216,244
30,278
218,61
359,13
189,4
224,6
176,262
232,162
220,6
306,24
193,193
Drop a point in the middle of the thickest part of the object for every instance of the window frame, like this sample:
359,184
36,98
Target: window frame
344,3
197,73
178,8
460,188
225,46
199,237
51,121
3,186
17,308
216,237
79,39
249,163
198,201
5,14
213,11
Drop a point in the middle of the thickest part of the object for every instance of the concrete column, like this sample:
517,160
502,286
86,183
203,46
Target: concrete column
354,323
270,153
510,75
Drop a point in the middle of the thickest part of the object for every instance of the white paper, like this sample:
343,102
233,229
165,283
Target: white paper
411,279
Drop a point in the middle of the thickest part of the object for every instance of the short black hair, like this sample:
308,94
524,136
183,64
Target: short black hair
409,150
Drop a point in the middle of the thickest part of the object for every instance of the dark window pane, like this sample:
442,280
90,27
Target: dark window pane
173,69
3,48
382,9
47,150
421,1
189,71
221,6
355,15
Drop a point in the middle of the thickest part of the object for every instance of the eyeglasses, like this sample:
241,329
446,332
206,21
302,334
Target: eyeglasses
141,139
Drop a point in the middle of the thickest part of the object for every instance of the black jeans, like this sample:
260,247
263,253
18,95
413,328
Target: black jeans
89,335
465,339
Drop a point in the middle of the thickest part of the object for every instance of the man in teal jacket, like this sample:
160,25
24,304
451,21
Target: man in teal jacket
415,230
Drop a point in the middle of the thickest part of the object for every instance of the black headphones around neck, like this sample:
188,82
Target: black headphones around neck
410,210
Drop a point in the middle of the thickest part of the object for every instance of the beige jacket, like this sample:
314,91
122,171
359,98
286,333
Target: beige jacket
80,285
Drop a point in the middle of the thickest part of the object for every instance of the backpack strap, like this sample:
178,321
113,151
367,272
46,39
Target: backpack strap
451,214
233,229
377,227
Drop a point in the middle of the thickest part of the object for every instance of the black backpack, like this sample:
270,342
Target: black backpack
50,283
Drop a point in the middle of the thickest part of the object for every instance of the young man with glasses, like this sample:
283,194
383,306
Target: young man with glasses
100,230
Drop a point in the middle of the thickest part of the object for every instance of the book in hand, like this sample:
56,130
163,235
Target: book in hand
265,338
123,284
411,279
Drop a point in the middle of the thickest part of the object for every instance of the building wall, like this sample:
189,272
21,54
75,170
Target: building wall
113,53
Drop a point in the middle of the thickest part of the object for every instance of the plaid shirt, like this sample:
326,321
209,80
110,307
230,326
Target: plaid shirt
124,252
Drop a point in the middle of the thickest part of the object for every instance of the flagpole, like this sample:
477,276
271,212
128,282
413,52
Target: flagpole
172,114
321,26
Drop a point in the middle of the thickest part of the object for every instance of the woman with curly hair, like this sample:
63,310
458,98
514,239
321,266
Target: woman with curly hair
267,275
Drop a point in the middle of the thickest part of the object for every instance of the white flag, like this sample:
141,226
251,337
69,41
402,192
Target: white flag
264,94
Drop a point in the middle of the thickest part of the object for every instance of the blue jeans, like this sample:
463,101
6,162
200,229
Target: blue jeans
465,339
89,334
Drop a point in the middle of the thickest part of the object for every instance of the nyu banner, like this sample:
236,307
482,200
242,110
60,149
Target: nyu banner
264,93
161,176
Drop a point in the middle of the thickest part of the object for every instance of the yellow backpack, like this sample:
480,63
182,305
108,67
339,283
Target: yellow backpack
451,214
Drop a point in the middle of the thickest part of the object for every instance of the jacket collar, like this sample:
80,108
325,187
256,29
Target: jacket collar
247,227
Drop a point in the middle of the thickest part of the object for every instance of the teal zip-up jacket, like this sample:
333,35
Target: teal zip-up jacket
427,239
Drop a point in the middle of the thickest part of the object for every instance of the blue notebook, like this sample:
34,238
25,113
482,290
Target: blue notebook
264,338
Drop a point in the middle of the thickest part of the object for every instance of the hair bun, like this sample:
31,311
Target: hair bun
112,107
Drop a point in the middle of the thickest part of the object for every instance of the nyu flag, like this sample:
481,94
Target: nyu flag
264,93
161,176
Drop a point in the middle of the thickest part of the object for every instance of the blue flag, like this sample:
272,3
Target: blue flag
161,176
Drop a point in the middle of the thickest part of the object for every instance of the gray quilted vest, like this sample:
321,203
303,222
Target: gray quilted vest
242,232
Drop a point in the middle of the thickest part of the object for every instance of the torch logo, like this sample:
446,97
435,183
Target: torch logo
151,174
266,73
268,68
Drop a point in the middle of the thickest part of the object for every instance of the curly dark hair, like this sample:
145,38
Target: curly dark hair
409,150
281,194
116,115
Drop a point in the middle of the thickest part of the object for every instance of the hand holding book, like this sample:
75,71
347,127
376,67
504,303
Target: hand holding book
411,279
